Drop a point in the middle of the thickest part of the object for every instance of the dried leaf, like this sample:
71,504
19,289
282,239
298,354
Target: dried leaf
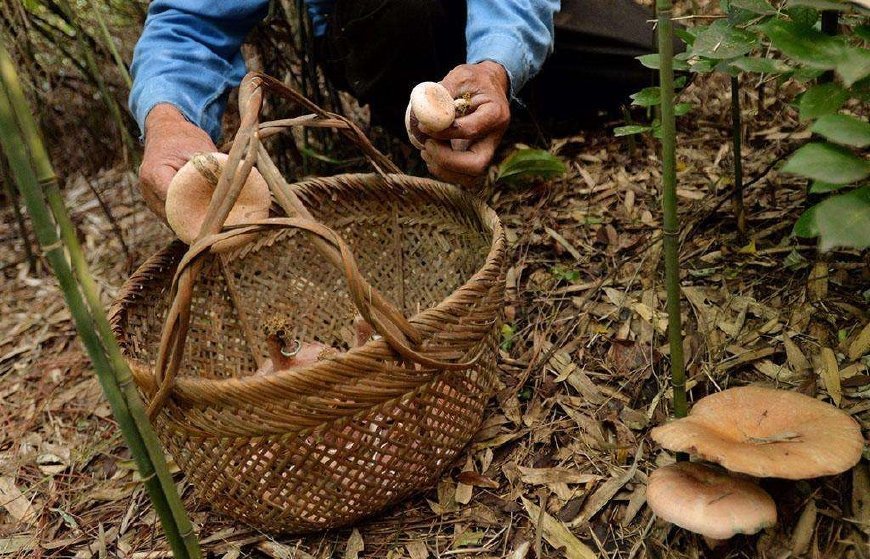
355,545
14,501
803,530
544,476
557,534
474,479
830,373
861,345
606,492
861,496
417,549
463,490
796,357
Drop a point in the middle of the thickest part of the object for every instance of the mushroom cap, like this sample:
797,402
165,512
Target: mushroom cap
190,192
433,106
765,432
411,128
707,502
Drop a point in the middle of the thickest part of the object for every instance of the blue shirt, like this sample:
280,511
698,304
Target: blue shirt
189,52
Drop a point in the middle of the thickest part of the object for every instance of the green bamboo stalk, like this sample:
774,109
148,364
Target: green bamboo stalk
94,70
671,228
736,132
110,42
32,169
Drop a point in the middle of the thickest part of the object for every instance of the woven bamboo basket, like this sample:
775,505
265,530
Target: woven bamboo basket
329,443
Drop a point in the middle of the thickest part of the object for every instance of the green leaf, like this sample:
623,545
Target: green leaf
804,44
843,129
828,163
843,221
761,65
821,187
821,99
721,41
526,164
647,97
687,35
755,6
817,4
654,61
702,66
806,225
630,130
806,75
681,109
854,65
805,17
863,31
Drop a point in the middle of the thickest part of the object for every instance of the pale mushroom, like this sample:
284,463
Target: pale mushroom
191,190
766,432
433,107
707,502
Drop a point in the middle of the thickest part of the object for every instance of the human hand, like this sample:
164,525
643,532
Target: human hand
170,141
486,85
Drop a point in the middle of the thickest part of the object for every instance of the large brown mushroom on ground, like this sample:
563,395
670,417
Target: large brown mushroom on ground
766,432
191,190
707,502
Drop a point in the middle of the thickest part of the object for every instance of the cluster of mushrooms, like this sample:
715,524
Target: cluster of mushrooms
754,431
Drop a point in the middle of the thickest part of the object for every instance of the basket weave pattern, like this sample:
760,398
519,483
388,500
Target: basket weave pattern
329,443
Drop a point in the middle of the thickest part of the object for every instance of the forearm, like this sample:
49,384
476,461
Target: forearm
518,34
189,56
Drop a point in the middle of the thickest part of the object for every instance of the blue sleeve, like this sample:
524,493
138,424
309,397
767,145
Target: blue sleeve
189,56
518,34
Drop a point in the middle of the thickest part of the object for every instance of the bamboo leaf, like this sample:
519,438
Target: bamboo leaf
828,163
821,99
822,187
843,129
843,220
755,6
527,164
804,44
854,65
630,129
760,65
647,97
722,41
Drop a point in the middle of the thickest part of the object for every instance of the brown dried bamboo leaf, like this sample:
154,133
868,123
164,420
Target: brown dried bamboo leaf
861,496
544,476
803,530
355,545
557,534
861,345
606,492
417,549
15,503
796,357
830,373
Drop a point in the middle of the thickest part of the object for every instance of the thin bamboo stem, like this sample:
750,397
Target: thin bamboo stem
110,42
736,133
110,101
35,176
669,204
19,218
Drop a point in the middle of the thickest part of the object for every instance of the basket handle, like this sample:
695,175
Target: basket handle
246,151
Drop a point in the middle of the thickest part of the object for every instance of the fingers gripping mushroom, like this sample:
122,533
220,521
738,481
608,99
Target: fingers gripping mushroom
707,502
431,109
191,190
766,432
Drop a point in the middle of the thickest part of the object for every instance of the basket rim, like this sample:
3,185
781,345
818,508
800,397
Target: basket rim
236,390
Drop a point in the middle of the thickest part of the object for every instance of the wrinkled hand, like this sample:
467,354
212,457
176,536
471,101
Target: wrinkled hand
486,86
170,141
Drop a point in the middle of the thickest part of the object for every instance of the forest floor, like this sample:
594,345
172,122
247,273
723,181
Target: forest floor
584,375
